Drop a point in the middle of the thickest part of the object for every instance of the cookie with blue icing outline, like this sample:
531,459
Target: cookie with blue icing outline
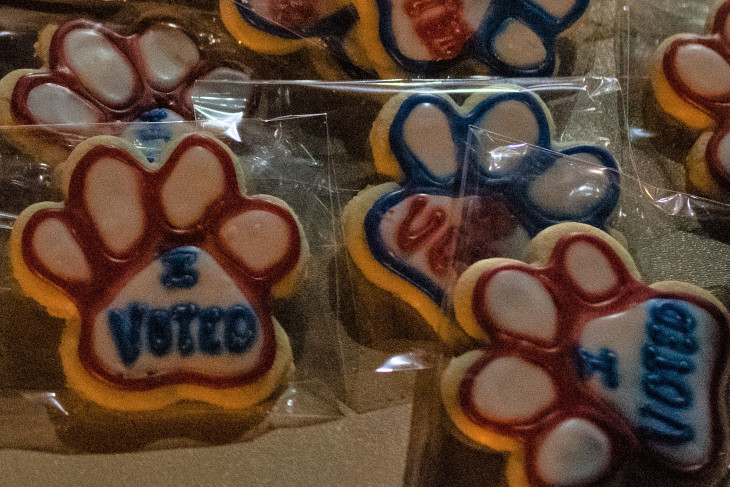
586,372
397,38
165,276
426,37
453,207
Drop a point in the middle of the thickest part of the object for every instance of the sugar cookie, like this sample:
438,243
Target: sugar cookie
461,200
94,74
585,368
165,276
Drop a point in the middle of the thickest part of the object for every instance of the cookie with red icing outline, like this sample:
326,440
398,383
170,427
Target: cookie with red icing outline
585,368
165,276
97,74
689,79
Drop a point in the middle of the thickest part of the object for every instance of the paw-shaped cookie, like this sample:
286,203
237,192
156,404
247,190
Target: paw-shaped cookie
165,276
585,367
457,204
96,75
690,81
511,37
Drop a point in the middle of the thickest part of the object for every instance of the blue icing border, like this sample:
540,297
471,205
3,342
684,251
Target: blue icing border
509,186
336,24
546,26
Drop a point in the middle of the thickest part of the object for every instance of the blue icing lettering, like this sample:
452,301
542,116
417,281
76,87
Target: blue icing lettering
655,358
668,388
208,341
179,268
667,358
154,115
183,315
137,327
604,363
152,130
240,330
126,328
663,427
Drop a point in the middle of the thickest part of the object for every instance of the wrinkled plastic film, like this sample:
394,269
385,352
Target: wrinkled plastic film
670,236
40,412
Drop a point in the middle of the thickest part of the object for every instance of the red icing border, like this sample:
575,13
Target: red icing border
110,274
573,399
717,109
144,98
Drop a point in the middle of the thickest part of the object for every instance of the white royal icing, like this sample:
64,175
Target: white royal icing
213,288
509,122
511,389
113,198
427,134
55,104
260,239
570,187
168,55
474,11
589,268
535,316
518,45
703,70
627,335
59,252
575,452
193,185
102,67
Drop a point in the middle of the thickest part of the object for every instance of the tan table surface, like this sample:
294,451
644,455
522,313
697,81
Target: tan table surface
365,450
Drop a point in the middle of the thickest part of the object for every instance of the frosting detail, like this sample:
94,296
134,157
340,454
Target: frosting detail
453,211
633,371
162,304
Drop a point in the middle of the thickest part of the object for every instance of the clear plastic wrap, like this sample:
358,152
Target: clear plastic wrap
306,143
668,239
675,127
381,332
39,409
369,39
